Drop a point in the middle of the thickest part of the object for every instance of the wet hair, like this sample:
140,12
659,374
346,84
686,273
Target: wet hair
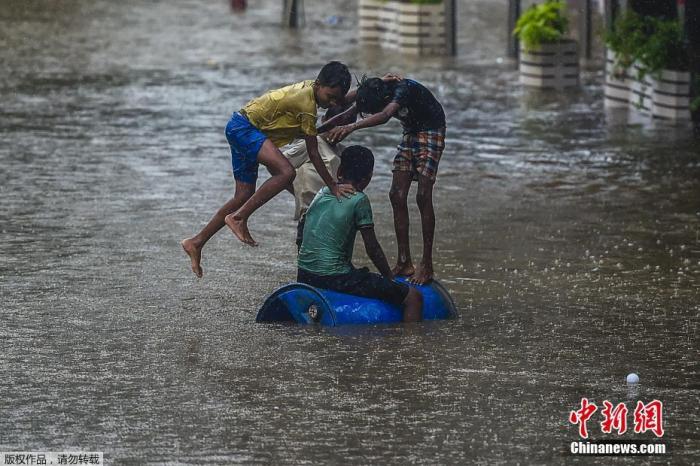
335,74
373,95
356,163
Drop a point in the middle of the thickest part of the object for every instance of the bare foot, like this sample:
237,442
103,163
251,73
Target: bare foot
239,227
403,269
195,254
423,275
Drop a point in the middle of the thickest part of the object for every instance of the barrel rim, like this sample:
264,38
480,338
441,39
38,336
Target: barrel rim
328,309
443,291
453,313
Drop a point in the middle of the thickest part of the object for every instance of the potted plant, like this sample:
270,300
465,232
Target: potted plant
417,27
648,67
622,52
547,57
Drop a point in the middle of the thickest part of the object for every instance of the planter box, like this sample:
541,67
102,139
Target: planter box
408,28
666,97
617,83
550,65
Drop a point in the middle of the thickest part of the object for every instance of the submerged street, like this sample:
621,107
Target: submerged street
568,237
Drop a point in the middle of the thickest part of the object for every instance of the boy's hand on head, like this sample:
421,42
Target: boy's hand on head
342,190
339,133
389,77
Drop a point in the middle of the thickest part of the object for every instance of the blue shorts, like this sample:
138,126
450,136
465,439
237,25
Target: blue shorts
245,141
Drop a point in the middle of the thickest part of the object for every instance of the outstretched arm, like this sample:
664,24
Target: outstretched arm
337,189
351,96
375,252
347,117
339,133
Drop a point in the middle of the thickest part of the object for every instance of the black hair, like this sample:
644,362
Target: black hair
373,95
356,163
335,74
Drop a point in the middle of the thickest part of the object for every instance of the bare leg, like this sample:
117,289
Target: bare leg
413,306
282,176
398,195
424,198
193,246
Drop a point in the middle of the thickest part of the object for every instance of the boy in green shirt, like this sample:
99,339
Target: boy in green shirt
330,227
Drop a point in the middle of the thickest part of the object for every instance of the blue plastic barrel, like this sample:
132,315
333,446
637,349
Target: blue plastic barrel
298,302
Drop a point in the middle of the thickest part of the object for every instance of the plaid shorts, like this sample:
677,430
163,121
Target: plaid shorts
419,153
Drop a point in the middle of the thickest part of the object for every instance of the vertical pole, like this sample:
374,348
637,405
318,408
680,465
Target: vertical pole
587,29
692,34
680,6
291,13
451,23
513,15
610,11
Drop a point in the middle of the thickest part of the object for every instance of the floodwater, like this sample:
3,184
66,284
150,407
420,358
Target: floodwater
569,239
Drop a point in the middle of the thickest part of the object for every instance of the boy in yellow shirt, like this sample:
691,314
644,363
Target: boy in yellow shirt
255,134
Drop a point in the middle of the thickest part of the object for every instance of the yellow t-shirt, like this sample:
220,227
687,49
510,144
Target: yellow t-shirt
284,114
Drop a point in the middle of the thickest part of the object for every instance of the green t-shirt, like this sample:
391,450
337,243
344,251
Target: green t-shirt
329,232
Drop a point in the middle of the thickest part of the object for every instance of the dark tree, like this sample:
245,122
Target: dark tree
661,8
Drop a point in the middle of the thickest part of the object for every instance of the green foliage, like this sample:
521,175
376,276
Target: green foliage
628,33
664,48
695,92
653,43
542,24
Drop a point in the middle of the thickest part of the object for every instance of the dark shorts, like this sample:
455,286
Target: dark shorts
245,141
359,282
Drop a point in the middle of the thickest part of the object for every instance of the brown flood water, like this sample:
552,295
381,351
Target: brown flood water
569,240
